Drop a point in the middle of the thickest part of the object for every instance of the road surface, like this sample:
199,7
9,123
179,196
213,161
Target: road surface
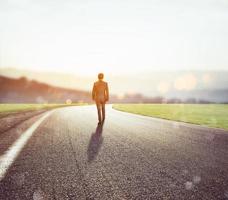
66,156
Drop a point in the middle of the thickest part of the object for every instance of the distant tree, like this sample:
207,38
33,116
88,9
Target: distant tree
191,100
23,79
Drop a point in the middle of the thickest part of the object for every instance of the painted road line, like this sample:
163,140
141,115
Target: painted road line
7,159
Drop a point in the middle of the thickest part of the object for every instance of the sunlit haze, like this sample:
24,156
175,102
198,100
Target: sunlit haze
85,37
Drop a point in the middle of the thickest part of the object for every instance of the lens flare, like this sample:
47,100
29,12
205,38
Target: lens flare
186,82
163,87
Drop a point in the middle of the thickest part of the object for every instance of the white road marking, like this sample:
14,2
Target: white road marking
11,154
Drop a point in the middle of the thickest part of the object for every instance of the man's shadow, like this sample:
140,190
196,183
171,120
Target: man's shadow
95,143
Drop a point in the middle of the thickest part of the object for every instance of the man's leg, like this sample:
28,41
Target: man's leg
103,111
98,111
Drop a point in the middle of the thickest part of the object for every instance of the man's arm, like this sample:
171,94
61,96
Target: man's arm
94,92
107,93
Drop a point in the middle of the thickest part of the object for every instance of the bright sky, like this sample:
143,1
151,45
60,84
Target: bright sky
118,36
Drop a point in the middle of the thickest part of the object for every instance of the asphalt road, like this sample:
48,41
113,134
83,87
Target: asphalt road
130,157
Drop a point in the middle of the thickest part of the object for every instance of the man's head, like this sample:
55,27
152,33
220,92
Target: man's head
100,76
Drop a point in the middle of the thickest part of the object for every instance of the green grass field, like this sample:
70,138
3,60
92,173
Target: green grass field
212,115
14,108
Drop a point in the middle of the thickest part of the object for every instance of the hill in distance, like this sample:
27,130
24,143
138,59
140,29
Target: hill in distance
22,90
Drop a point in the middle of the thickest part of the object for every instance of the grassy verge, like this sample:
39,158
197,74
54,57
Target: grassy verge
212,115
6,109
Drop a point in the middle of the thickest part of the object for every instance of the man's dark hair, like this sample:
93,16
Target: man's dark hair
100,76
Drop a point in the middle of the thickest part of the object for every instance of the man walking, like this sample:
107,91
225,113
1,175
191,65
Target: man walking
100,95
